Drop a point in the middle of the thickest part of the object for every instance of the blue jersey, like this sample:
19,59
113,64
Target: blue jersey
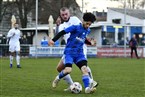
74,48
76,40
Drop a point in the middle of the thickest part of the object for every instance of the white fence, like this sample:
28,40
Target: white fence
56,51
33,51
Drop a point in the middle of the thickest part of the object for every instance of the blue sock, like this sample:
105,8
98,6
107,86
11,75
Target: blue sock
85,79
61,74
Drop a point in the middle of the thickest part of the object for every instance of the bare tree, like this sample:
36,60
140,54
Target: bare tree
3,8
133,4
24,7
1,13
141,4
52,7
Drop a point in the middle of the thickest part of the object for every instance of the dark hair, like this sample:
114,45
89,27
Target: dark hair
64,8
89,17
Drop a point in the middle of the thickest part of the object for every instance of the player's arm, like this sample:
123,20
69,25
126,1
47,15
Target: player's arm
10,34
58,21
87,42
61,33
90,42
51,42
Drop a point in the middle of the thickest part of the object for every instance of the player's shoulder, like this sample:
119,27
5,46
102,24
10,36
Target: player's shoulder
74,19
61,25
12,29
18,29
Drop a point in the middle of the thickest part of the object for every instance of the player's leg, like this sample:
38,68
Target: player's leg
18,59
131,53
11,58
89,70
11,54
18,56
135,49
62,74
85,76
60,67
95,84
68,67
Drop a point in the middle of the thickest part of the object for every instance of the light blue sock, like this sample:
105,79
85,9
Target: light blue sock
85,79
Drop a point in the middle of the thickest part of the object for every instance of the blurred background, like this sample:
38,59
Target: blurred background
117,21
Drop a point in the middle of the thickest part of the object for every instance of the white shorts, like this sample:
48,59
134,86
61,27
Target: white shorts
14,47
62,58
85,50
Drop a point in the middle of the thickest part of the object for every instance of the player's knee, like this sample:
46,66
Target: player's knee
17,53
68,67
68,70
84,70
59,68
83,66
12,53
82,63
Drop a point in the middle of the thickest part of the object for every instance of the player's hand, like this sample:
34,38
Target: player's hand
51,42
13,34
93,43
58,21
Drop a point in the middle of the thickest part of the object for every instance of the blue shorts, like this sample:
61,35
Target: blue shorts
74,58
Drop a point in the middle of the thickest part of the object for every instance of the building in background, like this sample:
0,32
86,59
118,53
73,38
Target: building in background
114,28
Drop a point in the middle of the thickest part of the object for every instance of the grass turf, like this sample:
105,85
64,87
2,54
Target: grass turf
117,77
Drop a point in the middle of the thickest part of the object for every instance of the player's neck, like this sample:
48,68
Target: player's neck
84,26
67,20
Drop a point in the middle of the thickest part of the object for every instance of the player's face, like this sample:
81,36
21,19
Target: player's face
65,15
87,24
16,26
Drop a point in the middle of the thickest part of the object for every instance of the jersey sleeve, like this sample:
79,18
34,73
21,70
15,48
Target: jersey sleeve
19,34
10,34
60,27
76,20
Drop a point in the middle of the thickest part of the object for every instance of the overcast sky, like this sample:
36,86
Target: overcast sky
99,5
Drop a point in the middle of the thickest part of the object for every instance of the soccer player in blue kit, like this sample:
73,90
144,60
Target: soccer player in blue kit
74,50
64,21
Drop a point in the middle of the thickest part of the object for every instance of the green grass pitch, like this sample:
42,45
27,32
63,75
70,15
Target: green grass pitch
117,77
